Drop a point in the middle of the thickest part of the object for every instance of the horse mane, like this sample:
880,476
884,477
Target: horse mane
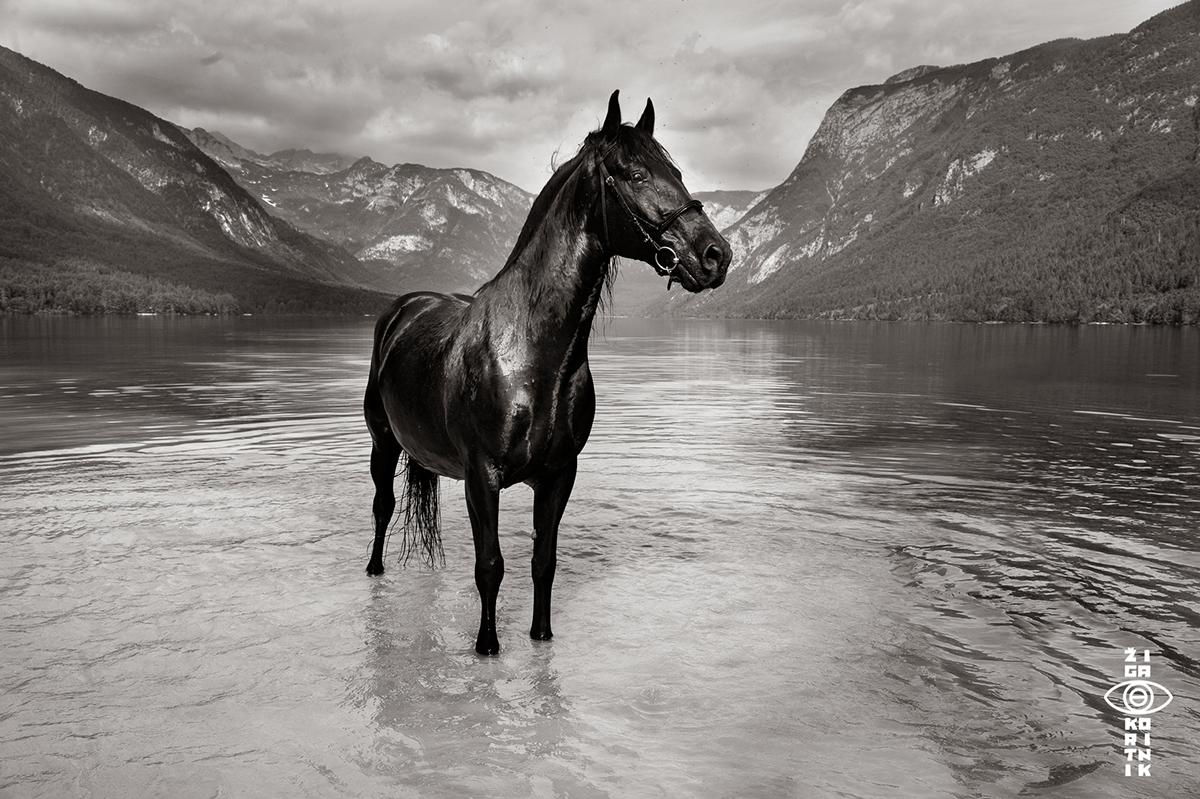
628,141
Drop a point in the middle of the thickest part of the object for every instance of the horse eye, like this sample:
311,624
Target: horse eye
638,176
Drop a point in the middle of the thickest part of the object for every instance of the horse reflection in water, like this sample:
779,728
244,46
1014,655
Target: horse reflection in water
494,389
428,707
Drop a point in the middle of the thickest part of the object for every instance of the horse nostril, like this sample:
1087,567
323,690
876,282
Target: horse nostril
713,256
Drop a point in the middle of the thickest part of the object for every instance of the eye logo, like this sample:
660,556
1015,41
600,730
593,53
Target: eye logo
1137,697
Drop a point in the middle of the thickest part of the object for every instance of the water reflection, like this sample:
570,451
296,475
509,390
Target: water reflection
1071,538
802,559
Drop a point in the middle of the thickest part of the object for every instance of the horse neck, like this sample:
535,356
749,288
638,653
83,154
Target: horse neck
551,288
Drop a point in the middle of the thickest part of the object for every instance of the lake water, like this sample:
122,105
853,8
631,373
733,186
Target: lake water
802,559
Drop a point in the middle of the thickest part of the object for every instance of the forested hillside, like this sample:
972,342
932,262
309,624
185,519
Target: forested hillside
1054,184
105,207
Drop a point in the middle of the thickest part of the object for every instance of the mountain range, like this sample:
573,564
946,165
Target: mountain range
1053,184
415,226
409,225
106,207
725,208
1058,183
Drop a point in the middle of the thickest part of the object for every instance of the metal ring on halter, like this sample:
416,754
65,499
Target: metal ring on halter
667,268
662,252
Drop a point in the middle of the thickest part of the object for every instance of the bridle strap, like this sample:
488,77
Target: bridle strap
603,204
650,231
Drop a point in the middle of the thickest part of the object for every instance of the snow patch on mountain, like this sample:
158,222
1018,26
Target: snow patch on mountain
723,214
431,214
395,245
162,137
488,190
463,202
959,170
752,233
833,247
770,265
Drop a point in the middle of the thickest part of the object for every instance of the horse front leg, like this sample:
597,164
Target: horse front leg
483,506
550,496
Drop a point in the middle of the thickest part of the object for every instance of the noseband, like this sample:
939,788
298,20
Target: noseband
666,260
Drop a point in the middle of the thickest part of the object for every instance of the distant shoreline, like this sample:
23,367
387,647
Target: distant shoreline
49,313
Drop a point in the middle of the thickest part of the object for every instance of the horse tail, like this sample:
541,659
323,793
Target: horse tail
422,533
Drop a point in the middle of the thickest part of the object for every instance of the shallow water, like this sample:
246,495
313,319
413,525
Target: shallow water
801,559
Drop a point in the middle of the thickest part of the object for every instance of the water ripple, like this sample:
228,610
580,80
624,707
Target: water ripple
801,559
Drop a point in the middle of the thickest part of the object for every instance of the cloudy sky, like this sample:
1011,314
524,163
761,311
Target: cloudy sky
739,85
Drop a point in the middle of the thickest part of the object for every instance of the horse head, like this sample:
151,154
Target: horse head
646,212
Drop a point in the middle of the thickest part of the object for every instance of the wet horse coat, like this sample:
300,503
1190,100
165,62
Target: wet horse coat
494,389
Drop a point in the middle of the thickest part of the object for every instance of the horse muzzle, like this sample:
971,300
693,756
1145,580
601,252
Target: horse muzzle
707,269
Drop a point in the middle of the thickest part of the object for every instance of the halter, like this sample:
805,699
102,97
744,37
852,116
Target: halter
666,260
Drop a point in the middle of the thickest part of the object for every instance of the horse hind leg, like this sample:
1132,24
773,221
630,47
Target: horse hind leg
385,454
422,519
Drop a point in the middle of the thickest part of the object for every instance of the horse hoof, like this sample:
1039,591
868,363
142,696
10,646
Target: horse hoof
374,569
487,647
541,635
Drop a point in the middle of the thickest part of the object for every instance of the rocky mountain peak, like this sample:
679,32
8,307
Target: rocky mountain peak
414,226
305,160
912,73
364,163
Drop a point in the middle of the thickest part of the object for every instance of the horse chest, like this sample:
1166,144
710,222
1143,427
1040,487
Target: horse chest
539,421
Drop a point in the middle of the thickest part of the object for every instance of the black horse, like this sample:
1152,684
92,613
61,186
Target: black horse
495,389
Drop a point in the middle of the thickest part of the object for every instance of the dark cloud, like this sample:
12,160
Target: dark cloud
101,19
739,87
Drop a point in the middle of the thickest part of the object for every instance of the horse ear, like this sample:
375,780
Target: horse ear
646,123
612,122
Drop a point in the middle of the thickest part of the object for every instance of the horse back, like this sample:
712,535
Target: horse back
422,319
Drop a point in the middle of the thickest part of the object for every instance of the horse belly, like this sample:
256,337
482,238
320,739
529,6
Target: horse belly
415,411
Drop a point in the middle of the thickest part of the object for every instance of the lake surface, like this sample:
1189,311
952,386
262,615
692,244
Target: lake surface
802,559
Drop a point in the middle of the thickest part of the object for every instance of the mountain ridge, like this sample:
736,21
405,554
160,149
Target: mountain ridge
391,244
913,191
1056,183
412,226
92,182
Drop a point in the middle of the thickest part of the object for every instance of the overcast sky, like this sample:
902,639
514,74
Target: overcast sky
739,85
